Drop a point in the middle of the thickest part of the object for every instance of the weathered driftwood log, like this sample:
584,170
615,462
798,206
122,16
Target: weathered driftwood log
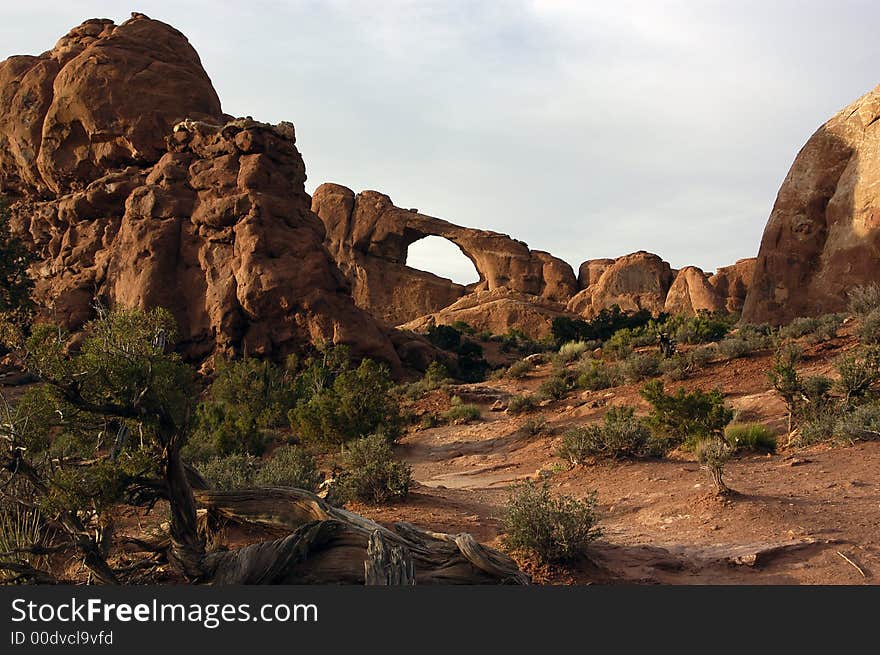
387,565
330,545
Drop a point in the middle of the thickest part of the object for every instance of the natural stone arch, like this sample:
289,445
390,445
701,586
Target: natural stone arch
369,238
424,255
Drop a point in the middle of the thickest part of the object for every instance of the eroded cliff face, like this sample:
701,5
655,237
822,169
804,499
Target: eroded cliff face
136,190
369,237
823,234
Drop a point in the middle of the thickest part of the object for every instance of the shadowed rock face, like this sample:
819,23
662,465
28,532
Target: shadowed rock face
128,203
823,234
369,237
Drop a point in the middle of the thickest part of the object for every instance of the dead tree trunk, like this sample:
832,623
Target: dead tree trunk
330,545
387,565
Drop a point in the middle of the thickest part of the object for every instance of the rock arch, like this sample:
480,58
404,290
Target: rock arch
442,257
369,237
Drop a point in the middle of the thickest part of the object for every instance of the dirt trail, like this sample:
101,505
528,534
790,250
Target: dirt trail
801,516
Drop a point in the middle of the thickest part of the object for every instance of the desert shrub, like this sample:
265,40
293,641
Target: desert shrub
714,453
684,417
436,377
701,356
428,421
444,337
552,529
572,350
864,299
519,370
734,347
620,345
248,397
464,327
21,527
862,423
370,472
816,430
605,324
289,466
556,387
230,472
522,404
818,328
534,426
595,375
622,434
859,373
15,283
751,437
704,327
869,328
461,412
357,403
640,366
676,368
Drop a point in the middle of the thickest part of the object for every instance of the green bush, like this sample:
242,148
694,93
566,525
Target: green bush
21,527
621,435
620,345
595,375
555,387
248,397
640,366
357,403
600,328
428,421
230,472
704,327
289,466
684,417
701,357
860,424
714,453
436,377
519,370
751,437
462,412
534,426
552,529
818,328
869,328
572,350
735,347
864,299
522,404
676,368
371,473
859,373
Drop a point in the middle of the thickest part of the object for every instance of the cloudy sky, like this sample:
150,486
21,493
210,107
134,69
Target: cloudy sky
588,129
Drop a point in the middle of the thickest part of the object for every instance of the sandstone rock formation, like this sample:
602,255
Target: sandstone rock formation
732,283
137,191
823,234
691,292
637,281
368,237
498,311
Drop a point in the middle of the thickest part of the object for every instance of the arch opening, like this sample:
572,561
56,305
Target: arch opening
442,257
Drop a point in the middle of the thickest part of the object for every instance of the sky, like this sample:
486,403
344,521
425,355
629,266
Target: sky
586,129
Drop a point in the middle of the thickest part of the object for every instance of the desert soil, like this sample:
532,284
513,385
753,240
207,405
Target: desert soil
801,516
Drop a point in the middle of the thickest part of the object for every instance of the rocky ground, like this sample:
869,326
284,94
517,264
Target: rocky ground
801,516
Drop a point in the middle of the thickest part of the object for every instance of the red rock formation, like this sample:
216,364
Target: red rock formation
130,204
823,234
692,292
369,237
498,311
732,283
633,282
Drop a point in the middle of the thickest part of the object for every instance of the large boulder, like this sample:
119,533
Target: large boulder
498,311
692,292
369,237
732,283
139,192
633,282
823,234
